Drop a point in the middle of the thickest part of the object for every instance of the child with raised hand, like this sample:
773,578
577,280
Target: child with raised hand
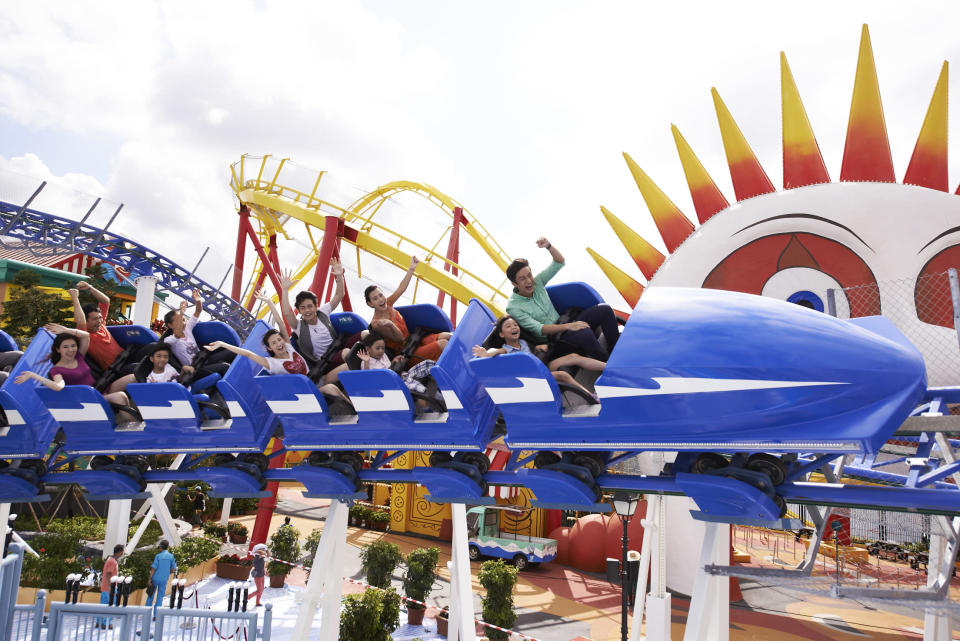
179,334
508,331
373,353
282,358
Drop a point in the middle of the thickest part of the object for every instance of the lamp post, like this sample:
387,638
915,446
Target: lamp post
625,505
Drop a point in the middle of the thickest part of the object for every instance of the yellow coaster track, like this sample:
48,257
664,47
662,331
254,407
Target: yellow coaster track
280,193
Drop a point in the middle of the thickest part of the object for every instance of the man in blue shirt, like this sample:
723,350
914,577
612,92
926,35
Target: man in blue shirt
163,566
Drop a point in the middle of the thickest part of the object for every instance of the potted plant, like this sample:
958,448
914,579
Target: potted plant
284,546
237,532
310,547
370,616
499,579
443,621
379,520
233,567
214,530
380,559
418,581
363,515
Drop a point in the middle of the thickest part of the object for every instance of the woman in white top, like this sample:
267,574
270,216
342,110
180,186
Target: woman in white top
179,334
281,357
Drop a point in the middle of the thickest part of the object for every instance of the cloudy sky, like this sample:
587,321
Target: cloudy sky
520,110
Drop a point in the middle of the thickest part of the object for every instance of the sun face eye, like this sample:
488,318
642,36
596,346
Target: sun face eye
931,294
800,268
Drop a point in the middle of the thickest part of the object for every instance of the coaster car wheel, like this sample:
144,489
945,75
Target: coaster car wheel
261,460
708,461
438,458
770,465
545,459
136,460
478,460
39,466
353,459
592,461
320,458
100,460
223,458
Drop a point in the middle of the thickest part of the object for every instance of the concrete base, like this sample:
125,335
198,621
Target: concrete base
658,618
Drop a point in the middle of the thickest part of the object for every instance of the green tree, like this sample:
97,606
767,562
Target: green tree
30,307
97,277
499,580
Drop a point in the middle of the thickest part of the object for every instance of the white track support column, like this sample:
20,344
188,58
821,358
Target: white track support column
709,616
658,602
158,508
164,487
118,524
143,305
650,526
325,587
936,625
225,512
461,624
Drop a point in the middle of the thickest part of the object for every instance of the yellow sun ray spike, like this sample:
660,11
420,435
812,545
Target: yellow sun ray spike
671,223
866,154
707,199
749,178
647,257
802,160
928,165
630,289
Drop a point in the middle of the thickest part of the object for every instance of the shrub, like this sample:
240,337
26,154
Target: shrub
214,530
370,616
243,506
193,551
498,579
137,565
363,512
379,559
378,516
59,556
310,547
285,546
150,536
84,528
420,575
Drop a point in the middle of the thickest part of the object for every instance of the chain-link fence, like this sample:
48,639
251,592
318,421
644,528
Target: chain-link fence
922,309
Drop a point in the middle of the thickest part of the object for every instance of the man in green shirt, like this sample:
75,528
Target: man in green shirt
530,305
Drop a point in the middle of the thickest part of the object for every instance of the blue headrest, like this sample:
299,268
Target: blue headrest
132,334
425,315
473,329
567,295
348,323
7,344
209,331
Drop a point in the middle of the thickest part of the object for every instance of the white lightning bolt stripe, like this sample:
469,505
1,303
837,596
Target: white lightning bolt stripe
680,385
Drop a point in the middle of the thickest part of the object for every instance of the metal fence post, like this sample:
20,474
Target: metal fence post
832,302
955,297
38,615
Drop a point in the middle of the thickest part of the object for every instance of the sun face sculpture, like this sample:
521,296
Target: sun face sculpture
866,232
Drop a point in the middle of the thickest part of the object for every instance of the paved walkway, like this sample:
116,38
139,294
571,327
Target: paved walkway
557,603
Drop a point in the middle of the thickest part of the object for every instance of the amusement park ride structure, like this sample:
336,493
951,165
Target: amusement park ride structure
753,394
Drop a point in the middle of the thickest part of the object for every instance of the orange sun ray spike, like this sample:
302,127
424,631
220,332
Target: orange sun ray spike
630,289
802,161
707,199
749,178
866,154
647,257
671,223
928,165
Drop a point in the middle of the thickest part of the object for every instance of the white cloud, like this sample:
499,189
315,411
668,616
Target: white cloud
520,111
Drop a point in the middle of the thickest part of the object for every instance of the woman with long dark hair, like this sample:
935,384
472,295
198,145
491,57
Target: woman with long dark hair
69,365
